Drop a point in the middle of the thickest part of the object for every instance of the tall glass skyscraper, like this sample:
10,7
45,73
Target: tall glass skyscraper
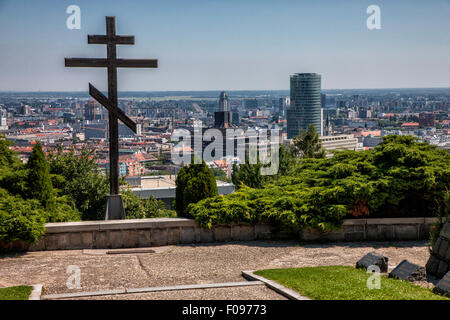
305,103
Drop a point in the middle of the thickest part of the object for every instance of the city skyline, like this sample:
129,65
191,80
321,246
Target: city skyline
230,45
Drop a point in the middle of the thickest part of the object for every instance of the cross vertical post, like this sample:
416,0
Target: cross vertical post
114,208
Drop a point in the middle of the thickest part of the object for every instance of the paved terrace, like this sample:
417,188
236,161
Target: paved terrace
190,264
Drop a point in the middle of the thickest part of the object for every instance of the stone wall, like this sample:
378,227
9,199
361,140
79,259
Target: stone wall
171,231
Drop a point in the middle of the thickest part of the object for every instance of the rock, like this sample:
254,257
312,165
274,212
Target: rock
443,286
408,271
373,258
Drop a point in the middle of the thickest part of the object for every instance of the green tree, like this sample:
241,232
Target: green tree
39,183
194,183
137,208
79,178
247,174
307,144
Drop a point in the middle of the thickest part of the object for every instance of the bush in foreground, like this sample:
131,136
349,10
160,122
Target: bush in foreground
399,178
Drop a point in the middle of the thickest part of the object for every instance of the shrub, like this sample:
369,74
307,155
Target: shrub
20,219
194,183
137,208
39,183
78,178
399,178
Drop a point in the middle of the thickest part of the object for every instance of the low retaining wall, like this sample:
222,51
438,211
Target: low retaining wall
172,231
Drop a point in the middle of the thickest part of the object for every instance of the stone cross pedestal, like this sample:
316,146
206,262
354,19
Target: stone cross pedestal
439,262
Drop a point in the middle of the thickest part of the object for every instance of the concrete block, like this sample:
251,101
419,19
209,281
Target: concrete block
386,232
75,240
242,232
143,238
206,235
115,239
129,238
354,236
354,222
372,232
348,228
392,221
263,232
101,240
39,245
173,236
406,232
222,233
159,237
187,235
51,242
309,235
87,240
335,236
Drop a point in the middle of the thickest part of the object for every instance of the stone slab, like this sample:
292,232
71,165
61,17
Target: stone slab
408,271
443,286
373,258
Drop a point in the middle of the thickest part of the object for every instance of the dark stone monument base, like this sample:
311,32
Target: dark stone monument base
439,262
114,207
373,259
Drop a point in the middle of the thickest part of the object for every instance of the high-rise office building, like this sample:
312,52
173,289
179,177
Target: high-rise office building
3,119
305,103
223,101
223,117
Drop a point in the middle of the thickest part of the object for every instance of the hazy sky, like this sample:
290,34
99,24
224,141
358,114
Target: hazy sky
229,44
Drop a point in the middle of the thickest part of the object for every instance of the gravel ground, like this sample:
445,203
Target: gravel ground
189,264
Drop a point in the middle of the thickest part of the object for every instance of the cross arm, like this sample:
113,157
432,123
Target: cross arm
136,63
86,62
95,39
104,101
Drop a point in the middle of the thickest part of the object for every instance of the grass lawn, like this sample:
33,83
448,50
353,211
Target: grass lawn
345,283
15,293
